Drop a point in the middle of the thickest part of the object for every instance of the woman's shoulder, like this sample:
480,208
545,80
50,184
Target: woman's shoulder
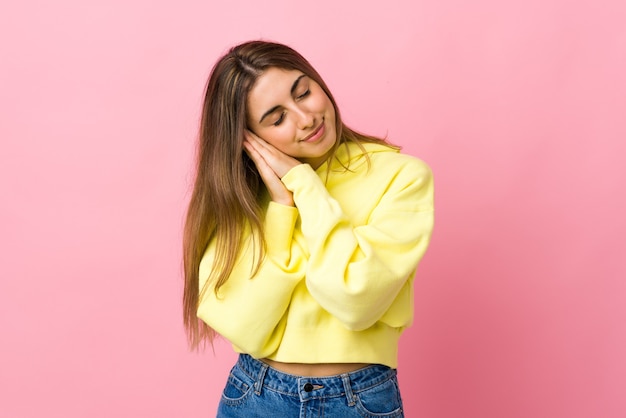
379,159
389,158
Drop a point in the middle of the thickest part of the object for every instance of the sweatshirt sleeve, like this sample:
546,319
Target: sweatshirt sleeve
248,311
356,272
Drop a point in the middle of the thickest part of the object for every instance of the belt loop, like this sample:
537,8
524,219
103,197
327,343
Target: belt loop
348,388
259,381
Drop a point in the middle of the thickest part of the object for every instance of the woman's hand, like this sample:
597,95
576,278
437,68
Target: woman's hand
272,165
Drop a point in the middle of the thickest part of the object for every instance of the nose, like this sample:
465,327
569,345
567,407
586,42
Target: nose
305,119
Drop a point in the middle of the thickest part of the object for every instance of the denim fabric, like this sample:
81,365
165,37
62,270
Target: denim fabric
256,390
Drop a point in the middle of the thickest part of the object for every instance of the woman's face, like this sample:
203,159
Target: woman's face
290,111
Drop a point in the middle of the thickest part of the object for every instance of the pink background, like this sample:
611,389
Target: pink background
519,107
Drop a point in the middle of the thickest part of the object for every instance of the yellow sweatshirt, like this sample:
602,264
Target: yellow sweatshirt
336,284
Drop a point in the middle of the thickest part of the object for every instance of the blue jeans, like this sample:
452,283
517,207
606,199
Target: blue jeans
256,390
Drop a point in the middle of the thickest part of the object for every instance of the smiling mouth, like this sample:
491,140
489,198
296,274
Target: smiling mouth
314,133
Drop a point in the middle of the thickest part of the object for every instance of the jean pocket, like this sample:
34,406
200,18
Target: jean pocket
381,400
236,390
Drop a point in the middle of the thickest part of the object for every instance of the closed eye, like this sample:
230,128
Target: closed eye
303,95
280,119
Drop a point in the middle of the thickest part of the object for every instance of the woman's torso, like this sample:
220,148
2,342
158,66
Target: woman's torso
314,370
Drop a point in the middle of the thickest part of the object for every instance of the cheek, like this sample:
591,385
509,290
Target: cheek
276,137
325,104
328,107
330,113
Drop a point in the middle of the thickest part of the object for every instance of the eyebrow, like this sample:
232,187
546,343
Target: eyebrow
294,86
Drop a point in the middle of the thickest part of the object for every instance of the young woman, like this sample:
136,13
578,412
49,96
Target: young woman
301,242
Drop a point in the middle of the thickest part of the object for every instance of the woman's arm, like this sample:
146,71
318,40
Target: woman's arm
249,311
356,272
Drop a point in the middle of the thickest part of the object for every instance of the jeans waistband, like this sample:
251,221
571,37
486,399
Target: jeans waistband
313,387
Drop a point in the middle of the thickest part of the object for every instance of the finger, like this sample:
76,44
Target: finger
251,136
258,159
254,154
280,162
253,143
264,150
277,190
254,151
265,147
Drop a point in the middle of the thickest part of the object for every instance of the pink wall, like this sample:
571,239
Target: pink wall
519,107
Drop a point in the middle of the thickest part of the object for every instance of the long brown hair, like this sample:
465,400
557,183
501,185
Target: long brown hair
227,188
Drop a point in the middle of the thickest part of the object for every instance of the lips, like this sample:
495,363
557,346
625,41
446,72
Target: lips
315,135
